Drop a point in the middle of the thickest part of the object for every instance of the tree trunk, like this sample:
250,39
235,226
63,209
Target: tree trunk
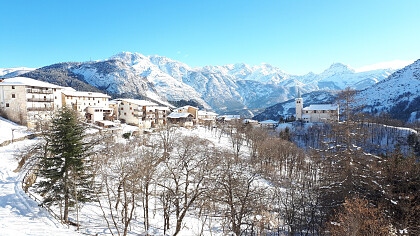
66,198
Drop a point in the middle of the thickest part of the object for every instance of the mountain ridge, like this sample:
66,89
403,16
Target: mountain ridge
220,88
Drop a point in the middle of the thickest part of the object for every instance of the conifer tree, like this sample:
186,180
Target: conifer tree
63,171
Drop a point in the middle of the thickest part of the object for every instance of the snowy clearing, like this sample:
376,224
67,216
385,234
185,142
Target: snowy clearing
19,214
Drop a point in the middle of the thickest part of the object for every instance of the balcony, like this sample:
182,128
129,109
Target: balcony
40,108
39,91
40,100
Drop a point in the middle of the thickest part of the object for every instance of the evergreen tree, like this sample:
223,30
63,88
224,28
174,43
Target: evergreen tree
63,171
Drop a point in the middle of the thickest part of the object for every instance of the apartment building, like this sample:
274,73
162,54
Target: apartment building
142,113
28,101
90,105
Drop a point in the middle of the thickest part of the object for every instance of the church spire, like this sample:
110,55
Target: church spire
298,94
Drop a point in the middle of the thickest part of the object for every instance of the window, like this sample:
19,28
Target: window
125,113
7,104
131,108
13,95
315,111
323,111
122,108
13,87
306,111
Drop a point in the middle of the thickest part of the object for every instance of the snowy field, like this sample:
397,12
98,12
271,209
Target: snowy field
20,215
9,129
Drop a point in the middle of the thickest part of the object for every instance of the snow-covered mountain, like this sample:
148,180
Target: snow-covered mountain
13,72
221,88
398,95
240,86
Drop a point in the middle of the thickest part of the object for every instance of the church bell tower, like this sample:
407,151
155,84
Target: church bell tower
299,106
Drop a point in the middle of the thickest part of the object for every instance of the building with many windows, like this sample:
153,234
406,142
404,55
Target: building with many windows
142,113
28,101
80,101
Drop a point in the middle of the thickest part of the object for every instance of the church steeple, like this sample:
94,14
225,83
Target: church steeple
299,105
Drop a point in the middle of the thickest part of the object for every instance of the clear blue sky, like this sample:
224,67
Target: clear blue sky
296,35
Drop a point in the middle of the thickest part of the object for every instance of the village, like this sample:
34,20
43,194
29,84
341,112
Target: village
33,103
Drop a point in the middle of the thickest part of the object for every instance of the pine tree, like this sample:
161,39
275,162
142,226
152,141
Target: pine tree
63,171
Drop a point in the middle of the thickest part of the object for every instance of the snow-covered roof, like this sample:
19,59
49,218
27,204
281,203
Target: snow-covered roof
176,115
230,117
138,102
106,122
268,122
186,107
84,94
321,107
99,107
28,82
206,113
249,121
161,108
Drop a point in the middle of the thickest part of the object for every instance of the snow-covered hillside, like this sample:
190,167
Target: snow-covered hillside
398,95
13,72
221,88
19,214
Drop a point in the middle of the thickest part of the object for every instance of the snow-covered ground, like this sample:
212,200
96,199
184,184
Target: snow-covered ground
9,129
19,214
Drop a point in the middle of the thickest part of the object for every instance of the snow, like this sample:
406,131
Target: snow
206,113
317,107
176,115
85,94
15,71
19,214
8,127
137,102
28,82
401,88
236,85
268,122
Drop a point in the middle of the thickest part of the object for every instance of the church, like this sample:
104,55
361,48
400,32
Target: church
316,113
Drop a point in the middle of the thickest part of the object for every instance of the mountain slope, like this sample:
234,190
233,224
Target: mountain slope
14,72
222,88
398,95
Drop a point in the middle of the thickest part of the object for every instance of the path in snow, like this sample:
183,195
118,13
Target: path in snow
20,215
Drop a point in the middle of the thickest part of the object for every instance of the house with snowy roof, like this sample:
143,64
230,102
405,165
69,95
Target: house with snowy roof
27,101
268,123
90,105
142,113
206,117
316,112
188,109
181,119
